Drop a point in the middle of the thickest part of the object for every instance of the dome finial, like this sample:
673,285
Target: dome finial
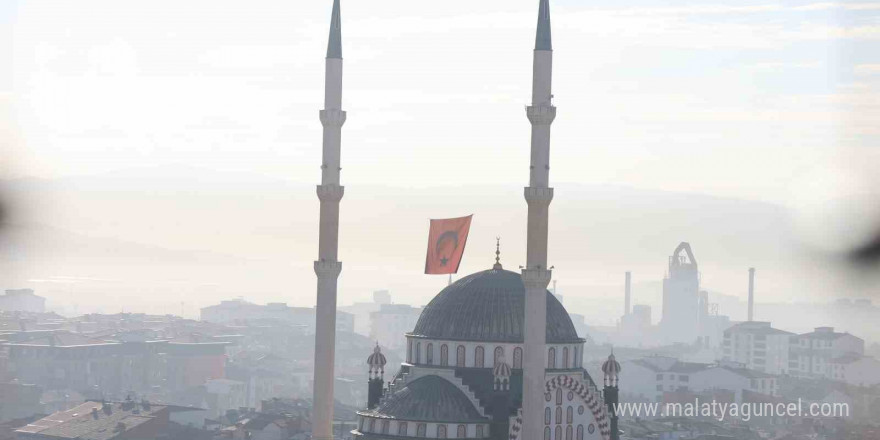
497,265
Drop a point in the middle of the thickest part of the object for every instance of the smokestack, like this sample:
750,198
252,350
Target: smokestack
751,294
627,294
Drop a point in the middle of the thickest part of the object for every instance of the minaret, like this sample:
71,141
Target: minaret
328,266
536,276
611,392
376,374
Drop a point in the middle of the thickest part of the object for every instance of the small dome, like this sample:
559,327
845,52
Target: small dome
502,369
489,306
611,367
377,359
429,399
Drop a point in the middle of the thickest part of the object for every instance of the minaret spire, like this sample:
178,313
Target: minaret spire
334,45
536,275
328,267
542,37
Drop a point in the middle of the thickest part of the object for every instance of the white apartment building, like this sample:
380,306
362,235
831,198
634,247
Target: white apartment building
812,353
758,346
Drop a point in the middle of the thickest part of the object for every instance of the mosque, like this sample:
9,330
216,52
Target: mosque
494,355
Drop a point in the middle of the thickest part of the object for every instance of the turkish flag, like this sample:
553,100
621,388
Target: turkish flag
446,241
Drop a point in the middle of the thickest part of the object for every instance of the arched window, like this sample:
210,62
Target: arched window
460,356
569,415
547,433
547,416
499,353
558,415
517,357
564,357
576,361
568,433
409,350
559,396
551,357
580,432
461,431
386,426
480,431
478,356
401,428
418,358
558,433
441,431
372,425
421,430
444,357
429,354
361,424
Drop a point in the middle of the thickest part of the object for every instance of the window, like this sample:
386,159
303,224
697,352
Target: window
517,357
558,433
565,359
422,430
386,426
659,387
558,415
499,353
551,358
418,358
580,432
441,430
478,357
444,356
547,416
372,425
568,432
569,415
480,431
459,356
429,354
409,351
547,433
576,360
559,396
659,377
461,432
683,378
401,428
361,424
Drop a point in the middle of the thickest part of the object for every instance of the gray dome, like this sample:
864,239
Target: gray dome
427,399
489,306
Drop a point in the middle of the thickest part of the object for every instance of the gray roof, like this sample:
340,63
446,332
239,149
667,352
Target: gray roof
489,306
542,38
334,45
429,399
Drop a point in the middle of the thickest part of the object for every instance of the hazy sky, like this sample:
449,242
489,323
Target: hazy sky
768,101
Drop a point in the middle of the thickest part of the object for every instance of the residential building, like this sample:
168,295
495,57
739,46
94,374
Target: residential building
812,353
855,370
757,346
22,300
392,320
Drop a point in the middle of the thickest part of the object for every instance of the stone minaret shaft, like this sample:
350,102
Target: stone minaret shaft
328,267
536,275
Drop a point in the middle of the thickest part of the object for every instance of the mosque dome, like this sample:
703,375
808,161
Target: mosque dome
488,306
428,398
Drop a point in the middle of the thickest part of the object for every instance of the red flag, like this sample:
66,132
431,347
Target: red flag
446,241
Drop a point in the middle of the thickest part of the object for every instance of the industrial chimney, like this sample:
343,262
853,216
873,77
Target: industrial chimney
751,294
627,294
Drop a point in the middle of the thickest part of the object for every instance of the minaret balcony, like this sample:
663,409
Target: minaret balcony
538,195
330,193
536,278
332,117
328,269
541,114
